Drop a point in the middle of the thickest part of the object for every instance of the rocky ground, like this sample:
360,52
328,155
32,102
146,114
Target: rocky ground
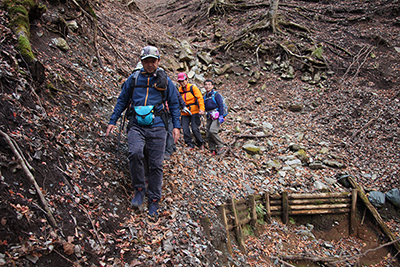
343,113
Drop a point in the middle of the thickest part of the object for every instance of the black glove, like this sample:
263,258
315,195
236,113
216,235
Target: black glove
161,80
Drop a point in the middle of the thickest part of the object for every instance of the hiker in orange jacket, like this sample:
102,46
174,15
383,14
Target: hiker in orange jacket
195,103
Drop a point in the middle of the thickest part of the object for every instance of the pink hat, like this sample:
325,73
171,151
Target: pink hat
182,76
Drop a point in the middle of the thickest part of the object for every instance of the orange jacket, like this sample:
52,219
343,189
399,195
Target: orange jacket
190,99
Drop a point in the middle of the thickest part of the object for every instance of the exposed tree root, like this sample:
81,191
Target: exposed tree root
308,58
340,48
221,7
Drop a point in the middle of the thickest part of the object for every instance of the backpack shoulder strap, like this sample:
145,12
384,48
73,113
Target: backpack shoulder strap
213,97
133,85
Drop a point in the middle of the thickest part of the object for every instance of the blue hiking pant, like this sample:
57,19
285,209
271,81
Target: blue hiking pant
194,122
154,139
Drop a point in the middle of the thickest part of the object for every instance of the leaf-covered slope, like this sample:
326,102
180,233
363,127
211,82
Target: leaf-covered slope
351,117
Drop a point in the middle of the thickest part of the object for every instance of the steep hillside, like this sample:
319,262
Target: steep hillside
327,81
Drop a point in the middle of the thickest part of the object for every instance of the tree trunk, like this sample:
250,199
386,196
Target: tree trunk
273,14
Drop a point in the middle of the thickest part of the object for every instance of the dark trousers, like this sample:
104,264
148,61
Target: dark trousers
194,122
154,139
170,146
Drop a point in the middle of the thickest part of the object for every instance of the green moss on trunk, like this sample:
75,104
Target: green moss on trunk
20,12
24,46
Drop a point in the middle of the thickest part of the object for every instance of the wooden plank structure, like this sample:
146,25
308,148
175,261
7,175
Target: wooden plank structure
236,214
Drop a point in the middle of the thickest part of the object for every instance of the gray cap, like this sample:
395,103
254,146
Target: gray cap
149,51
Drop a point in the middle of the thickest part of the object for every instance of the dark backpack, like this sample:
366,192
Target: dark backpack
196,102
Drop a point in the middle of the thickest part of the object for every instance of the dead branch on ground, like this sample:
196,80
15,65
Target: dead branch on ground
22,155
362,63
93,225
221,6
116,51
366,125
132,4
104,34
238,136
30,177
334,259
308,58
65,92
367,251
340,48
364,52
95,29
283,262
294,25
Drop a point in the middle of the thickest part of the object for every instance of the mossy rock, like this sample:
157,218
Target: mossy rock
302,155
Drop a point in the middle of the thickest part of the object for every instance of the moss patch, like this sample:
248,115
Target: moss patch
24,47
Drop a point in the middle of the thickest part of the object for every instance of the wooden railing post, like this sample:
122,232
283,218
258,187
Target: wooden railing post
225,222
267,216
238,228
353,212
285,207
253,211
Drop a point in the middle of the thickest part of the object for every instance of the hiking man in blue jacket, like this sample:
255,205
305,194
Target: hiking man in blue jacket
145,96
214,109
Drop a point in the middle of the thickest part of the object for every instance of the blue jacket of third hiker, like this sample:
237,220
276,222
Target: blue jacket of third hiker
209,102
144,95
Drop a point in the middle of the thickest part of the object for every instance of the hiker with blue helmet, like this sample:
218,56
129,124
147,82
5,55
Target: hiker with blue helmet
213,105
144,95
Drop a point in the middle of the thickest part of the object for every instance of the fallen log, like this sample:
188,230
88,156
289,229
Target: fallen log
374,212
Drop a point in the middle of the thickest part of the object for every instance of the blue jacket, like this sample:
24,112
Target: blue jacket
145,95
210,104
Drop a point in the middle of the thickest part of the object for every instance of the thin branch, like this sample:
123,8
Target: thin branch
340,48
366,125
31,178
309,58
367,251
65,258
251,136
22,155
94,227
116,51
283,262
362,63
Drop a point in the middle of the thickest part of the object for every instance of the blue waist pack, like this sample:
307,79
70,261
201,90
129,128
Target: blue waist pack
144,115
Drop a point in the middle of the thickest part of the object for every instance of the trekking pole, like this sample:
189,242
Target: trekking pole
121,127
